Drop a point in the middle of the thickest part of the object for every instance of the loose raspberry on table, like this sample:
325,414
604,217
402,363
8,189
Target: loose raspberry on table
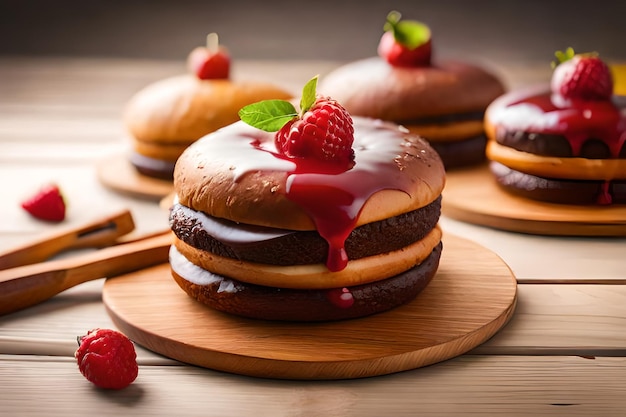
47,204
107,358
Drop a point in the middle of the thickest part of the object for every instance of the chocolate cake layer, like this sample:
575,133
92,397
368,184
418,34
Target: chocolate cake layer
560,191
258,302
152,167
554,145
458,154
307,247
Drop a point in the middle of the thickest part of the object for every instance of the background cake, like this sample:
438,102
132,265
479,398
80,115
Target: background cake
167,116
563,142
441,100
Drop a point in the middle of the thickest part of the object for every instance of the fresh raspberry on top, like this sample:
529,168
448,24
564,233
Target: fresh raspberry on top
210,62
324,132
405,43
581,76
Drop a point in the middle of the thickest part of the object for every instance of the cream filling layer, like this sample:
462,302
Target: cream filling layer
554,167
229,232
315,276
196,275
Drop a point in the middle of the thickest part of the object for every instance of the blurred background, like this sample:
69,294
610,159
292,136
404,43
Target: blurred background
506,30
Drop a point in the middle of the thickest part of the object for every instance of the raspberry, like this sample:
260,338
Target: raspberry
322,130
405,43
325,132
47,204
582,76
211,61
107,358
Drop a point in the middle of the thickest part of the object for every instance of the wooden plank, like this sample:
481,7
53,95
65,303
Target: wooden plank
61,155
564,319
99,81
51,328
549,259
467,386
548,319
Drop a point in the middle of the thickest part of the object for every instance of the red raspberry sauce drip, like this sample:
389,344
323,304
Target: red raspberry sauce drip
335,199
605,197
333,196
313,197
340,297
579,121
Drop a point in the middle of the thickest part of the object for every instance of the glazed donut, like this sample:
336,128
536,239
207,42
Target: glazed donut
167,116
250,218
248,185
443,102
560,151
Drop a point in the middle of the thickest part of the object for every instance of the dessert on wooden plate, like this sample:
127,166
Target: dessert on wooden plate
564,142
441,100
306,215
167,116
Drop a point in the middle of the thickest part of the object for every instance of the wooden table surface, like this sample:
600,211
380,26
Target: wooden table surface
563,352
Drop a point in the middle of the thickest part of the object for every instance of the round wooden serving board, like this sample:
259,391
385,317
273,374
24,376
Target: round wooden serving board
470,298
472,195
117,173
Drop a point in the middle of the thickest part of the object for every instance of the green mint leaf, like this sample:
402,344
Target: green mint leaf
268,115
412,34
308,94
409,33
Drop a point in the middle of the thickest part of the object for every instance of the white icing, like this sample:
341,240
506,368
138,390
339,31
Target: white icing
224,143
194,274
372,148
521,116
230,232
524,116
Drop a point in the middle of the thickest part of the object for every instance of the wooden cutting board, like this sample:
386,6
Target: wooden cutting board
470,298
472,195
117,173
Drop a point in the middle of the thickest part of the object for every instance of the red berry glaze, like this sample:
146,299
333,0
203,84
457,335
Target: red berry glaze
324,132
107,358
47,204
584,77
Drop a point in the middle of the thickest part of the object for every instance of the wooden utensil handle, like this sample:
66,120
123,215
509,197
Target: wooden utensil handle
98,233
31,284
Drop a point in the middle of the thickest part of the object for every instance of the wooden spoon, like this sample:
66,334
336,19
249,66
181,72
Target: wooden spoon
96,234
28,285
